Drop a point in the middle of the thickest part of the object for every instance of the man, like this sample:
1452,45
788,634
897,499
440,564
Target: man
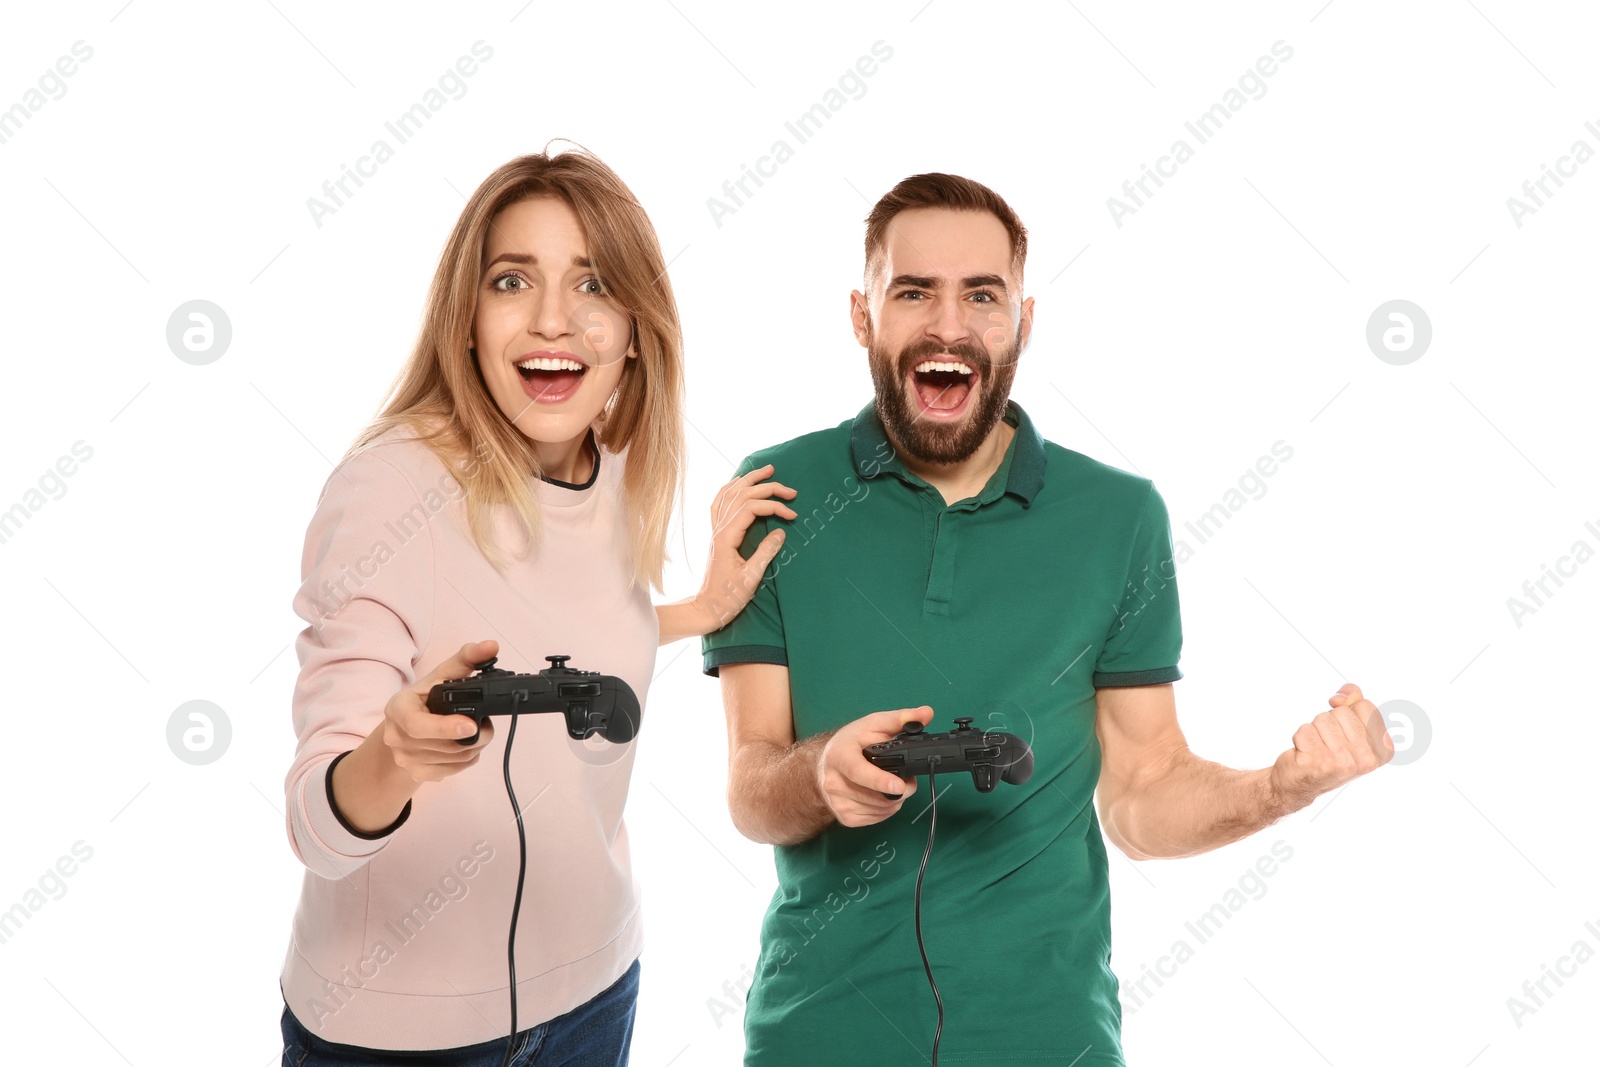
947,561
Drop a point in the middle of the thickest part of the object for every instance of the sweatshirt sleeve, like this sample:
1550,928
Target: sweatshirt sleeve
366,596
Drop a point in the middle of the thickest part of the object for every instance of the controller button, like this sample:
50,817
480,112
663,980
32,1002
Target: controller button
578,689
913,728
964,722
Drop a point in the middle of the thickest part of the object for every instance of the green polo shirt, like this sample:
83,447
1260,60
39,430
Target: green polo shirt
1012,607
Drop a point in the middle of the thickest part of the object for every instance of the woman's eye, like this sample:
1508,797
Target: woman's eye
598,287
508,278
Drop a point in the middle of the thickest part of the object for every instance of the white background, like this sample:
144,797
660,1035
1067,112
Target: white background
1226,314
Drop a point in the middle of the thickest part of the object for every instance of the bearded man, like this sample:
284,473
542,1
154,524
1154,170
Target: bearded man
947,561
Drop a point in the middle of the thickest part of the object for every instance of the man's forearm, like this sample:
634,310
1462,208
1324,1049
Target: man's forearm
1194,806
773,794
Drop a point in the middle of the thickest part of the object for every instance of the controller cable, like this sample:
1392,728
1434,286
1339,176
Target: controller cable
522,870
933,817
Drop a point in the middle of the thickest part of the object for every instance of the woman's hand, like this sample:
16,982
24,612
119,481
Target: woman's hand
730,579
424,745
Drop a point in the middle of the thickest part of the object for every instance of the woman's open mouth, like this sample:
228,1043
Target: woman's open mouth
550,378
943,387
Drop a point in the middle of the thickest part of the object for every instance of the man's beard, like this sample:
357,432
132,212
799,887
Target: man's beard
927,440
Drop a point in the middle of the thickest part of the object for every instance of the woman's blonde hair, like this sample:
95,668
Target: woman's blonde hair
441,395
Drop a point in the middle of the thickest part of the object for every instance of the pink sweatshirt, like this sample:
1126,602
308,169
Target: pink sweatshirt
399,940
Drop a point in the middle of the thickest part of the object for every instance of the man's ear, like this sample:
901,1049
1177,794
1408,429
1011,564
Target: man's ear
860,316
1025,326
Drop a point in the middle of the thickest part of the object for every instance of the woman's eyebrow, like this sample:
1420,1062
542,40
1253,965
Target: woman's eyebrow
528,260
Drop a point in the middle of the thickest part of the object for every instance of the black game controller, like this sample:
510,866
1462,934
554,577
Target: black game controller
991,755
594,703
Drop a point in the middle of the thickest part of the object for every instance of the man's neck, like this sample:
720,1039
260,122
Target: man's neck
967,477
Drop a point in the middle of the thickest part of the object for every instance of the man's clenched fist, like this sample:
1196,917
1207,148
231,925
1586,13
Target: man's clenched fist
1336,747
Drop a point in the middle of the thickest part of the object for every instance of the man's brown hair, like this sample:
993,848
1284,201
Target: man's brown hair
946,191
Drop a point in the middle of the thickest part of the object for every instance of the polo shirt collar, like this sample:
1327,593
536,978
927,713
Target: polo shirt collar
1023,464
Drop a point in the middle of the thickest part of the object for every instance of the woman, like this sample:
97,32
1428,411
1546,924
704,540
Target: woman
512,501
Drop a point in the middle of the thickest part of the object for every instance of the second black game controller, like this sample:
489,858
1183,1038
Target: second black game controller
593,703
991,755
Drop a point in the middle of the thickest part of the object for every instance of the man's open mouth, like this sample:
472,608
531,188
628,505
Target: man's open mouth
943,385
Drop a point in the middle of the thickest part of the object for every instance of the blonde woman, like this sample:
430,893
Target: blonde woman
511,500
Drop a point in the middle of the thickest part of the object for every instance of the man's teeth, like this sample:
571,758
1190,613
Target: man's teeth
937,365
550,363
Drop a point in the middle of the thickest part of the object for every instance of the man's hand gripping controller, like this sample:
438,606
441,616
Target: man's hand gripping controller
991,755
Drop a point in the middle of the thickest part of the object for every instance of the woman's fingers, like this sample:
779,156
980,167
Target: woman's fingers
737,506
731,533
765,552
745,487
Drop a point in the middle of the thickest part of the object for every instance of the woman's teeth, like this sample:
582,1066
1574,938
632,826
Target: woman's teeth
550,363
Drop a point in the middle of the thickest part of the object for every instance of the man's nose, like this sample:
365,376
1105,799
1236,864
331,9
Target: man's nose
950,326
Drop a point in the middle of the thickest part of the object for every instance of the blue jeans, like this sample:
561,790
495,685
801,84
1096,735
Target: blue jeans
594,1034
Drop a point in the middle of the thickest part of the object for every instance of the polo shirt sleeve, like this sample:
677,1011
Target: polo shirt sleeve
1145,636
755,635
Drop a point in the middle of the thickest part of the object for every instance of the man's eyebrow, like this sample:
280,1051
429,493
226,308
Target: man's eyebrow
984,281
923,281
528,260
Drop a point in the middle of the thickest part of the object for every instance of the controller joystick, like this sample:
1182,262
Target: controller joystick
593,703
991,756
